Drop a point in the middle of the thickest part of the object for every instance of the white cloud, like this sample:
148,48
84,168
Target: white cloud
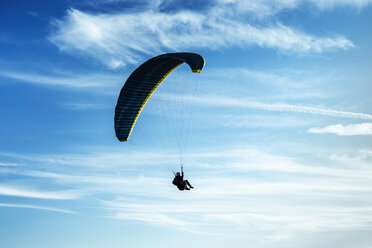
316,198
257,8
99,180
344,130
237,206
328,4
159,219
362,158
270,7
29,193
119,39
96,157
238,159
86,82
36,207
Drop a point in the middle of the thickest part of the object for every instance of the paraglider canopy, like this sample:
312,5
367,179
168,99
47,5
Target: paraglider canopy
142,83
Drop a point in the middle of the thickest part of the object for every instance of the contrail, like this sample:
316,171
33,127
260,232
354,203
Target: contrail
310,110
243,103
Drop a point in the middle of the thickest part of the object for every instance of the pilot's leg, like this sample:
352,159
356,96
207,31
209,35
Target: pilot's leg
188,184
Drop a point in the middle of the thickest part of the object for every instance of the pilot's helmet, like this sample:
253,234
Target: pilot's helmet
177,174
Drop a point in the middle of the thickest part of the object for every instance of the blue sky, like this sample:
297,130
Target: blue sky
279,142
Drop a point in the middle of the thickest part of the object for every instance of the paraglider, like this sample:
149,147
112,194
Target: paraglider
139,87
143,82
180,182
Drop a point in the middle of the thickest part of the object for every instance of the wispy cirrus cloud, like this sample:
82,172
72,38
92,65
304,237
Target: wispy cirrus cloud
239,159
242,207
344,130
29,193
157,219
10,205
244,199
76,81
257,9
263,8
284,80
361,157
122,38
328,4
99,180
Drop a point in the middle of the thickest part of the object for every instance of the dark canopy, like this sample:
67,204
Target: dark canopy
143,82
